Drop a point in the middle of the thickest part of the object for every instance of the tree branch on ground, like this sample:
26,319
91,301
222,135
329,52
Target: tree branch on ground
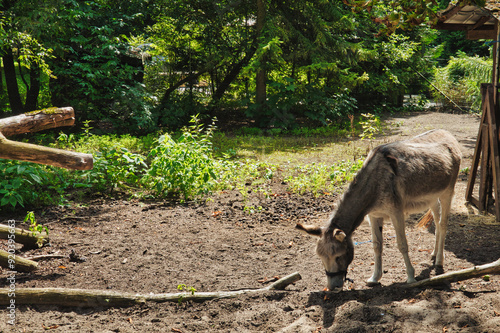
464,274
107,298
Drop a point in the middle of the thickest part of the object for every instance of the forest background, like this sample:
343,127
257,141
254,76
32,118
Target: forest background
146,79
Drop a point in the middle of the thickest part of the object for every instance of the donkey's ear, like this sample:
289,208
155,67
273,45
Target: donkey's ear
310,229
339,235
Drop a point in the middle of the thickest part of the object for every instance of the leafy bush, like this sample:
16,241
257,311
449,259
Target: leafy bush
460,80
290,100
184,167
116,167
23,183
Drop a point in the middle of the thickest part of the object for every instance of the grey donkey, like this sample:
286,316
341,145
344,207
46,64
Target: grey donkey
396,179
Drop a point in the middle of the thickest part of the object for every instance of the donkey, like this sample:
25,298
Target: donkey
396,179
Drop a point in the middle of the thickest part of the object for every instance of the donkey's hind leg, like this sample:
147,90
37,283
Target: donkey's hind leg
442,227
377,225
398,220
436,214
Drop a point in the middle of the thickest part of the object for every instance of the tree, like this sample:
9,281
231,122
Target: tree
92,65
19,45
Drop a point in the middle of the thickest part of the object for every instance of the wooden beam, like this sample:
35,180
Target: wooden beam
494,154
480,34
462,27
477,150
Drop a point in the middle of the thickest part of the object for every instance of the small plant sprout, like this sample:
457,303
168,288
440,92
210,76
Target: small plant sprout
35,227
183,287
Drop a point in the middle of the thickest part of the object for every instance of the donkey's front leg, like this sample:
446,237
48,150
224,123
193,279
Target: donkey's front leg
376,224
398,220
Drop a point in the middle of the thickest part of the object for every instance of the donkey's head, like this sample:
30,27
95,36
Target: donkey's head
336,251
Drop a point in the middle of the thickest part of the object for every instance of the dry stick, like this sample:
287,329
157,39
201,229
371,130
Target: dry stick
92,298
19,265
47,256
464,274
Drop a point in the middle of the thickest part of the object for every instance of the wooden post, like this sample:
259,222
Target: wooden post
486,155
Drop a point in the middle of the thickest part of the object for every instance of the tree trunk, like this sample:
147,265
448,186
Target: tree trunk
233,73
27,238
16,104
17,263
189,78
93,298
260,81
34,89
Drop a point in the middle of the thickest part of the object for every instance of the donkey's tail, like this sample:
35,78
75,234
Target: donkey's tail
426,220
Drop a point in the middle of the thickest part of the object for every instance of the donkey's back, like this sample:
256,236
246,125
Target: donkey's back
415,172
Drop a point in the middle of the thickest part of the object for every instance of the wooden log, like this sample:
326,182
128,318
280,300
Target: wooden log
37,121
21,151
464,274
29,239
16,263
106,298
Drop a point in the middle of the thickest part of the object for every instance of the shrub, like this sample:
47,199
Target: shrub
184,167
460,80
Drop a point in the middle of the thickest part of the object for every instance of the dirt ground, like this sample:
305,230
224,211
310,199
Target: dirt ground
217,246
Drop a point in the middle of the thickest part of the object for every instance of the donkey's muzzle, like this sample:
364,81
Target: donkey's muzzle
335,281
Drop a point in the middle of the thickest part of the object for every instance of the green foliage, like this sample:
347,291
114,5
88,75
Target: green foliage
460,80
184,167
34,227
392,64
321,179
115,167
22,183
184,287
290,101
370,125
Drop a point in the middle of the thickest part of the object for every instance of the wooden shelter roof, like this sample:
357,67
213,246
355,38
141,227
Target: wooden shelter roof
478,22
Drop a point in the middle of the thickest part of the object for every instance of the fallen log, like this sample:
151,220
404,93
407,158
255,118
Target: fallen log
14,150
28,238
106,298
37,121
18,264
464,274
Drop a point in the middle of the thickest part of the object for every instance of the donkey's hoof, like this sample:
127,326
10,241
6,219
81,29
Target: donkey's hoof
411,280
372,283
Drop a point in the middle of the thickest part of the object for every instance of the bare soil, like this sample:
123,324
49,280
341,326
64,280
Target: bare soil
152,247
